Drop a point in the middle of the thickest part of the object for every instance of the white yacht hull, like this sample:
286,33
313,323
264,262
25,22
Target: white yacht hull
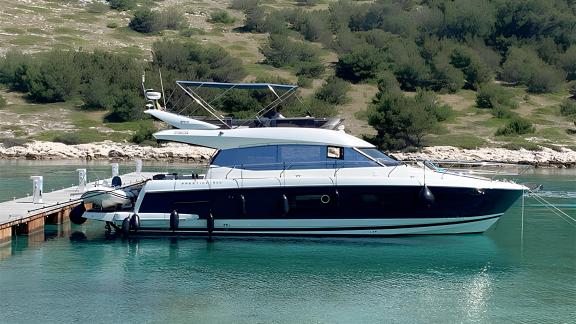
191,224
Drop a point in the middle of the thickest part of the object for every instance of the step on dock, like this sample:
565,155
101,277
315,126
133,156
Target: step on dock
27,215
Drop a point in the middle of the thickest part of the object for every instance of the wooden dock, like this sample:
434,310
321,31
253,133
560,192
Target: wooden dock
23,216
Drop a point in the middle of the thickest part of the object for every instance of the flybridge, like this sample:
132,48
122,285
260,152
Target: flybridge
268,116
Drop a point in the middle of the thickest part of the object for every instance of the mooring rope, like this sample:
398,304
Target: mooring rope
557,211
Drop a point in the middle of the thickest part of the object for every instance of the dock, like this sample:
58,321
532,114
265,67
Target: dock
24,216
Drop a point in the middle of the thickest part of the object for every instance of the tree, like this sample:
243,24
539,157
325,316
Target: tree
399,120
523,66
474,69
145,21
128,106
467,18
362,63
13,69
54,79
122,5
517,126
221,17
333,91
255,19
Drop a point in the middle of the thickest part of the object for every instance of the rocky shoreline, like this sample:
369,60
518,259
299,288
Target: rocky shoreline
108,150
546,157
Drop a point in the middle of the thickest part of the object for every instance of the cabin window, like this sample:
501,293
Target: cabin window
335,152
248,157
380,157
292,157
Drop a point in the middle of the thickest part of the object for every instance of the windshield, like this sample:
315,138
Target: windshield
379,156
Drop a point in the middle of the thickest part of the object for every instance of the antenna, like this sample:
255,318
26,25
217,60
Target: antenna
162,86
144,81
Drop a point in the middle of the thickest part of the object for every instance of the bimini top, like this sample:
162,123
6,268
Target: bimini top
246,137
244,86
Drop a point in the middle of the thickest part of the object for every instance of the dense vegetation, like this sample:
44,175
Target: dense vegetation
103,80
433,45
428,47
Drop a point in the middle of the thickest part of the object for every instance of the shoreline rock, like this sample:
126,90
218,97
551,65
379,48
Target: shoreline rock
546,157
108,150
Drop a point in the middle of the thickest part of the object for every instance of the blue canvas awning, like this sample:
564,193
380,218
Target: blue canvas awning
226,85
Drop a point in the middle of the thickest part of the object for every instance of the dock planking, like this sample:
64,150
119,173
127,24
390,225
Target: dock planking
23,216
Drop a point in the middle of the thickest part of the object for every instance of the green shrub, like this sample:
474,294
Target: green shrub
2,102
408,66
572,90
445,77
185,60
493,96
523,66
402,121
243,4
221,17
545,79
310,106
68,139
13,68
122,5
189,32
309,3
568,108
112,24
255,20
144,136
333,91
128,106
12,142
314,25
55,78
362,63
281,51
475,70
171,18
567,61
309,69
145,21
304,81
97,7
517,126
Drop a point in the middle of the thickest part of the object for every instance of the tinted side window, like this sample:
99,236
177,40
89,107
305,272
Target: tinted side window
302,156
247,157
353,159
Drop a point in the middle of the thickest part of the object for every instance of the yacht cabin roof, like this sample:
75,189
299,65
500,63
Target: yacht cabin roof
246,137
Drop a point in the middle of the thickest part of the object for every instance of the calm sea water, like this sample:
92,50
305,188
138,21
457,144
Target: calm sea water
75,274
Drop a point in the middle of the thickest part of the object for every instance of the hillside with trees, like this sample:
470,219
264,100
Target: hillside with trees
404,73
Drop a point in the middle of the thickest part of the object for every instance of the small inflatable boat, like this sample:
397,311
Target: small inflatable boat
102,197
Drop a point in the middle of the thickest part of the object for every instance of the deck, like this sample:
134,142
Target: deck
23,216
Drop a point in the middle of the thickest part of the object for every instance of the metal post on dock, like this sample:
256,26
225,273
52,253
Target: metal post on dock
81,180
115,170
138,167
37,189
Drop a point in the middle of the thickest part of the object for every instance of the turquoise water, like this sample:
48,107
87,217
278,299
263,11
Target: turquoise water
77,274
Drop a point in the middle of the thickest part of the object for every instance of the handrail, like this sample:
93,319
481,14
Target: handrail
471,167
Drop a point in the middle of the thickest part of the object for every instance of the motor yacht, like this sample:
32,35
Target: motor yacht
307,181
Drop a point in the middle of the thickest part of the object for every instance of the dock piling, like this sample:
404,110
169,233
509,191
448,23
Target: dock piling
81,180
37,188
